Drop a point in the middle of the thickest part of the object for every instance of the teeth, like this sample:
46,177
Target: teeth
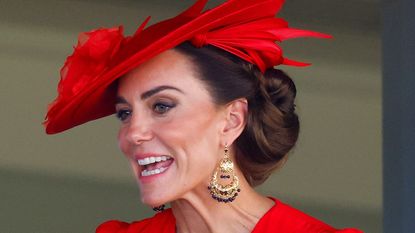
150,160
153,172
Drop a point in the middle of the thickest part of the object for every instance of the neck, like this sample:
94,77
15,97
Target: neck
198,212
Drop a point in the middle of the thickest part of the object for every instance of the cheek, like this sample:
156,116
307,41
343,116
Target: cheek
193,135
187,127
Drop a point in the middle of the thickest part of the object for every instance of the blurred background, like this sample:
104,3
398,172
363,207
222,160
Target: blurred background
73,181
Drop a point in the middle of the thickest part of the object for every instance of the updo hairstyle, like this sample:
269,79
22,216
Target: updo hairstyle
272,125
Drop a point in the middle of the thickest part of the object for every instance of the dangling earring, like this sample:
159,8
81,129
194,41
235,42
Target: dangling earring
228,191
159,208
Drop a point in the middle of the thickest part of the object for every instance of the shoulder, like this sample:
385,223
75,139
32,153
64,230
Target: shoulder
284,218
161,222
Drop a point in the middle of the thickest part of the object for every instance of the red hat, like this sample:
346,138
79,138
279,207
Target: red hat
246,28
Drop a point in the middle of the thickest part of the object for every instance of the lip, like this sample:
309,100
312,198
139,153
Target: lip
148,179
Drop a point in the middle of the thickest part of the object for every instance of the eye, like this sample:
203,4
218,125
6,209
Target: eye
123,114
162,108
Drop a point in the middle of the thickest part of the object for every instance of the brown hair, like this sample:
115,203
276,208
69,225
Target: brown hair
272,125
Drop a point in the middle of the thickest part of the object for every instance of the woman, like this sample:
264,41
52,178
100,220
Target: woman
204,115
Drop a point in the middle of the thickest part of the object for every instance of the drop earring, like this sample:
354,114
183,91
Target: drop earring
225,189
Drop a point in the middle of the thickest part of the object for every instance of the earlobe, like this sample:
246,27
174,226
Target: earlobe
236,116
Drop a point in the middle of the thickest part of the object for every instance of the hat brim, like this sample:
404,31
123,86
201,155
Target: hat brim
97,96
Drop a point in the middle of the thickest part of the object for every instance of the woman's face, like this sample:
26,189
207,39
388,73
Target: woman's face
167,115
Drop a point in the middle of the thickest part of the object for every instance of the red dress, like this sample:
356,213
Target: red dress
281,218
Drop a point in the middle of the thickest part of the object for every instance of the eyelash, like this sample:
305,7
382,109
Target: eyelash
123,114
166,107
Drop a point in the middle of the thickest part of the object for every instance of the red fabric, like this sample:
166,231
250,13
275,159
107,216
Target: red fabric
163,222
246,28
281,218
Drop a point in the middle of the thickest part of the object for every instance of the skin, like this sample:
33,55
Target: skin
183,122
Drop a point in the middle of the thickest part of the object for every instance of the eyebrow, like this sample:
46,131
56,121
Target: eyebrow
158,89
149,93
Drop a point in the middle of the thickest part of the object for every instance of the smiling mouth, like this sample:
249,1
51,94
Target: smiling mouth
154,165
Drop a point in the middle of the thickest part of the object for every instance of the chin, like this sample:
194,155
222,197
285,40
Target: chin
154,199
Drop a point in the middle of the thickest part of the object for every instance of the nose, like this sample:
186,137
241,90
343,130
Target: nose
139,131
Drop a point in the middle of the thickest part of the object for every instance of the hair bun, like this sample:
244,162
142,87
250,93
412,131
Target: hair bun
280,89
272,127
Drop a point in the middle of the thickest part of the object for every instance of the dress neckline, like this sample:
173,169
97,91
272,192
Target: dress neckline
262,219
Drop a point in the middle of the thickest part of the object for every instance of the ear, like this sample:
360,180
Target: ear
236,113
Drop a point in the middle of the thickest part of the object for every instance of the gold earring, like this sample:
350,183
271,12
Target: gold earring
228,191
